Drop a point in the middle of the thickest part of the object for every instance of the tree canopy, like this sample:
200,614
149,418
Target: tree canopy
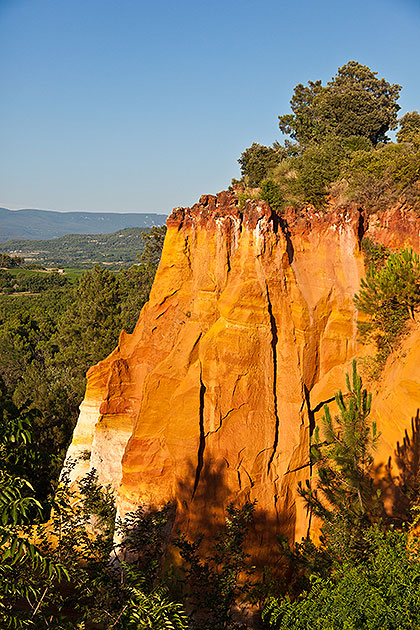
338,147
354,103
409,130
258,160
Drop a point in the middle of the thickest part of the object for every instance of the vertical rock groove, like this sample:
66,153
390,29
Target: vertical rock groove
311,414
289,244
202,444
274,341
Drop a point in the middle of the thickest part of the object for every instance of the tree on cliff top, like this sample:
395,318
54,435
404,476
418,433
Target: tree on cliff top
409,130
257,161
354,103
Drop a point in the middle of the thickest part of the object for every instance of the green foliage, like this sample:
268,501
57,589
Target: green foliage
21,454
66,578
30,281
212,584
136,283
11,262
389,295
303,125
153,245
115,250
48,341
150,609
258,161
246,194
134,286
374,254
144,534
88,329
316,169
378,177
340,132
272,193
381,593
343,495
20,558
360,576
409,130
354,103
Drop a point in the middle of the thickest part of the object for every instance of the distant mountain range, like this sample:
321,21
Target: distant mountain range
46,224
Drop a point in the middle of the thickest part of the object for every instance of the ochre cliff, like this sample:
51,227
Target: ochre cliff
249,329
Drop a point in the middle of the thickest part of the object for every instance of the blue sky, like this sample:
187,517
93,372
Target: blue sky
139,106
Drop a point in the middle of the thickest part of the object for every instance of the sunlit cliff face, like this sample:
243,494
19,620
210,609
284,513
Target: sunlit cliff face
249,329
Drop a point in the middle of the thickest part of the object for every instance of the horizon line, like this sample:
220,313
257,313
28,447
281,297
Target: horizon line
4,207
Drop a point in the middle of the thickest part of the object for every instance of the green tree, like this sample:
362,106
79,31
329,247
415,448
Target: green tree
212,585
11,262
316,168
389,295
48,342
258,161
135,283
342,494
374,254
23,569
354,103
90,328
409,130
304,125
65,580
153,245
22,454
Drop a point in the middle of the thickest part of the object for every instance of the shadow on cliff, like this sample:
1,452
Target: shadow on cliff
399,479
201,511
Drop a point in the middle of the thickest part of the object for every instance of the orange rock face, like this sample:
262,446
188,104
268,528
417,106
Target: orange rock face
249,329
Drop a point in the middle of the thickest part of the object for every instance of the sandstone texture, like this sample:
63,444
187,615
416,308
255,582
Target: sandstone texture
249,329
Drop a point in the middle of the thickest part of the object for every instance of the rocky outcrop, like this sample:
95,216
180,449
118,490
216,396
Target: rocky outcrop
249,329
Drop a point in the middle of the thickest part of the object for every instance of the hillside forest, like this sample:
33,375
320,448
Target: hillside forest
115,250
60,565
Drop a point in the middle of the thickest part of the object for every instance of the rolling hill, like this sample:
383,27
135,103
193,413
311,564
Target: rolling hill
46,224
118,249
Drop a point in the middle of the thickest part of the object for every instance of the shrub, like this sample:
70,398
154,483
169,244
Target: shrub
381,593
389,295
212,583
258,161
374,253
378,177
271,192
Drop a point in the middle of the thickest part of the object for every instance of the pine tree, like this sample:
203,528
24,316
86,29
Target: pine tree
389,295
343,495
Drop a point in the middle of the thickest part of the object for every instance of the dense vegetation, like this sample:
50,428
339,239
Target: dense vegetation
76,576
339,145
10,262
23,281
50,338
119,249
